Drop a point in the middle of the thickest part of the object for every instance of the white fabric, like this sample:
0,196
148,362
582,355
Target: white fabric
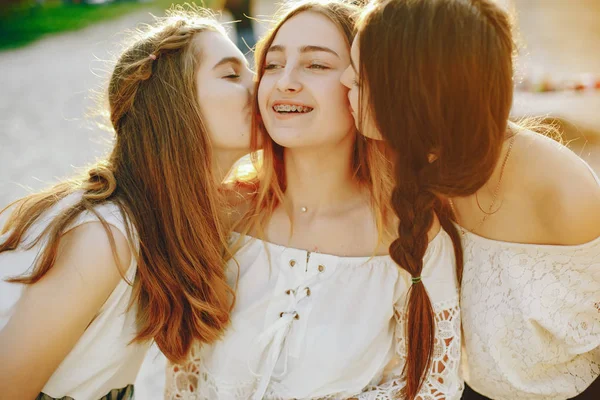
531,318
326,327
150,382
102,359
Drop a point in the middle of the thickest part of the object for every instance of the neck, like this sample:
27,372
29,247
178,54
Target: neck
223,160
320,178
490,196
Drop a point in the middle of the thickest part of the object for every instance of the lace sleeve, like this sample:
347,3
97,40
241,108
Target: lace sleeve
182,379
444,381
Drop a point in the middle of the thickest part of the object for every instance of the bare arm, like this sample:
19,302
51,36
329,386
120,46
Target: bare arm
53,313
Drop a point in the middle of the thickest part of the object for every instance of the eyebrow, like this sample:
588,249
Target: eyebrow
304,49
227,60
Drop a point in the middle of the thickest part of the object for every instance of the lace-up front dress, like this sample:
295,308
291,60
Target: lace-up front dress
317,326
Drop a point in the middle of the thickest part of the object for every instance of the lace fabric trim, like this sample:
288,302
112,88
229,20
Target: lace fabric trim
443,381
125,393
532,318
193,381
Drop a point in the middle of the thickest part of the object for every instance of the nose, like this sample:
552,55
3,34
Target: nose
249,82
288,82
345,79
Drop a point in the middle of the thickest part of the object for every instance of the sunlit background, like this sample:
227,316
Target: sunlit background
53,57
53,53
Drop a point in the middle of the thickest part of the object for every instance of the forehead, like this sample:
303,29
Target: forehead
214,46
311,28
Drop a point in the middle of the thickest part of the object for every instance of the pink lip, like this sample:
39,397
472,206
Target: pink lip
284,117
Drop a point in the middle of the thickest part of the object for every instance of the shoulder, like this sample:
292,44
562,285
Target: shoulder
564,192
119,222
95,250
58,307
96,241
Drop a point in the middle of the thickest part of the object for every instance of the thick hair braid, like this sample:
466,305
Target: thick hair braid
414,205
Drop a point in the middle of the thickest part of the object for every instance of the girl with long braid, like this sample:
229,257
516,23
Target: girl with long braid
434,80
133,251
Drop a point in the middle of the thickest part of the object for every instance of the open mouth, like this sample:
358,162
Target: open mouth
291,109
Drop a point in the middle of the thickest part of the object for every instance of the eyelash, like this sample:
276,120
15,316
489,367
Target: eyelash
231,76
311,66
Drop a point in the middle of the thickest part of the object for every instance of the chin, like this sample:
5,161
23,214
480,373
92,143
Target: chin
288,137
290,143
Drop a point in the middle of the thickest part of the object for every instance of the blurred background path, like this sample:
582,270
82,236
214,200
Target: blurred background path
45,96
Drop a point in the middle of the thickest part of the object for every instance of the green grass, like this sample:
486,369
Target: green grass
24,22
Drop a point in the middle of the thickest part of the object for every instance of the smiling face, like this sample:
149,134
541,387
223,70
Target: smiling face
301,100
224,86
350,79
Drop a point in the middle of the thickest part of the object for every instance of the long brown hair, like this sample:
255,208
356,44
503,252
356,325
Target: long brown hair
159,174
437,78
370,165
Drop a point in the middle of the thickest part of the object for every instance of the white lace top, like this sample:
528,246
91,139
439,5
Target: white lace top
102,364
316,326
531,318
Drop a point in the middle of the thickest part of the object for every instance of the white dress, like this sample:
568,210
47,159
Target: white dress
531,318
317,326
102,364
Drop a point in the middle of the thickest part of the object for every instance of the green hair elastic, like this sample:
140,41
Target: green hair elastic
415,279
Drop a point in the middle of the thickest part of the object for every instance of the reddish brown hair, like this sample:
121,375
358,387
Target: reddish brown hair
437,78
159,174
370,165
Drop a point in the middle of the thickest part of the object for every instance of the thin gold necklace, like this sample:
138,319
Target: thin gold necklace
495,196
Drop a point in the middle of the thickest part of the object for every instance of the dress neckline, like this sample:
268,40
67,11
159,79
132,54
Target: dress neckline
280,247
483,239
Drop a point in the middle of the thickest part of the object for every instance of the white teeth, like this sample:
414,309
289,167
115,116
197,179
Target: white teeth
291,108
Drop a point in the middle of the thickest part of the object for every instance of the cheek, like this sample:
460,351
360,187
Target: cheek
223,108
221,95
231,98
264,89
337,102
